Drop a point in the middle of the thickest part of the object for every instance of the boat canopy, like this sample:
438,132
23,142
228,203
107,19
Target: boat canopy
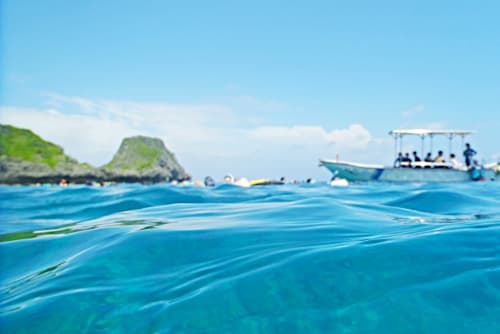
423,133
426,132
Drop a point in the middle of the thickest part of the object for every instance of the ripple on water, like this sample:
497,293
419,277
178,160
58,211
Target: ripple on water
367,258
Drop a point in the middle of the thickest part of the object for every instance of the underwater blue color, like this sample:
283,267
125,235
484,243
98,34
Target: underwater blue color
369,258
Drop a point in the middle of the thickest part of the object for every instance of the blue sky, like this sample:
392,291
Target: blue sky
255,88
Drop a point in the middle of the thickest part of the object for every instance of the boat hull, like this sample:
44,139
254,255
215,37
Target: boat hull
358,172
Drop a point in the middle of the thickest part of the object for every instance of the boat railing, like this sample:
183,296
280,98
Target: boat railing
425,164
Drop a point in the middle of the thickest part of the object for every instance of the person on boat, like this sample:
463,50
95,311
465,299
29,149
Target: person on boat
406,160
439,160
468,154
416,159
399,159
428,159
454,162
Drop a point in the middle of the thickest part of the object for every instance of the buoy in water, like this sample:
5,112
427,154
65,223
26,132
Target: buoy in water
339,182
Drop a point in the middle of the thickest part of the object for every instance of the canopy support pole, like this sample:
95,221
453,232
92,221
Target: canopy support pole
431,142
422,137
450,138
395,146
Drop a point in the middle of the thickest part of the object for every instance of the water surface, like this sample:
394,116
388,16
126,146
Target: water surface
370,258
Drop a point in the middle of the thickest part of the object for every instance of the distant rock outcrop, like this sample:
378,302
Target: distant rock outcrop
26,158
143,159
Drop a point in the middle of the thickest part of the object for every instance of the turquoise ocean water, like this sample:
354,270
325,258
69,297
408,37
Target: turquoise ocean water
369,258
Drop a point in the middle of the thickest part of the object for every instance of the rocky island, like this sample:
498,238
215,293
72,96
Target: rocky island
143,159
25,158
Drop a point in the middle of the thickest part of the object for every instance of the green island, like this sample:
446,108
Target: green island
27,158
23,144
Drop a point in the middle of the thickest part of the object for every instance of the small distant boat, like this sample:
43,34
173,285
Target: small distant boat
417,172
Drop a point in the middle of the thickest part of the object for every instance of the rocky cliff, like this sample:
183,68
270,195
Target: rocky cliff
143,159
27,158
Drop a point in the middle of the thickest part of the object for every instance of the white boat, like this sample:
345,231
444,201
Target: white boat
418,172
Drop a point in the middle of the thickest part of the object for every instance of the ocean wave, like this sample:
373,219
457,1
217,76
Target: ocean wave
271,259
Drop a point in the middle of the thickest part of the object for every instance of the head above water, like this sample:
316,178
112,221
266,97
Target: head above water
229,178
452,156
440,153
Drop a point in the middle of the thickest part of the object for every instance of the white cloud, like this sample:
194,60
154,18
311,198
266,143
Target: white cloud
207,138
353,137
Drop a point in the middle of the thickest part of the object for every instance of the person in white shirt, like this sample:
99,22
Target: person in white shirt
454,162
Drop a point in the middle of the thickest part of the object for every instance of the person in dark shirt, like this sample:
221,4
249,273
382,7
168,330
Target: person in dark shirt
428,158
406,162
399,159
468,154
416,158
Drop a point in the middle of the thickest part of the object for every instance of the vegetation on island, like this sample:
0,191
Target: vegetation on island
135,154
27,158
141,154
23,144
